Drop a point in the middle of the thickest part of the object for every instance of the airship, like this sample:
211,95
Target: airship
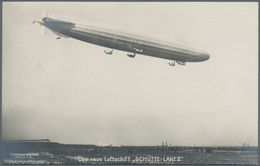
131,43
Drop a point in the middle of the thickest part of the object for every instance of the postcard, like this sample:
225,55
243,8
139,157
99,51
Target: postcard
128,83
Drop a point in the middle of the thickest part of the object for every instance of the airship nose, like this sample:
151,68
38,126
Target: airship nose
202,56
207,56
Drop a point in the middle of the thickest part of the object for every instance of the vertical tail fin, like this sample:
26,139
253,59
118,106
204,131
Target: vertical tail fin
44,17
45,14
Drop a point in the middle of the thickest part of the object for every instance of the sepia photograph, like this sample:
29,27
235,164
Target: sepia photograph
129,83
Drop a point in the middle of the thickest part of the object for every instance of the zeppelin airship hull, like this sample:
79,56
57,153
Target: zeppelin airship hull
125,42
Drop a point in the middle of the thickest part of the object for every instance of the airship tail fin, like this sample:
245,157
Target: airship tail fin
43,29
56,17
47,16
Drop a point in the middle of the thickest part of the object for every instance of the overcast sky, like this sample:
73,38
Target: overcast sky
69,91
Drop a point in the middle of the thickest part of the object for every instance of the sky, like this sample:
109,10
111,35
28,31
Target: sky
71,92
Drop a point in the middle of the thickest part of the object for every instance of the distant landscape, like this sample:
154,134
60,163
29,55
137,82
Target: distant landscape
46,152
